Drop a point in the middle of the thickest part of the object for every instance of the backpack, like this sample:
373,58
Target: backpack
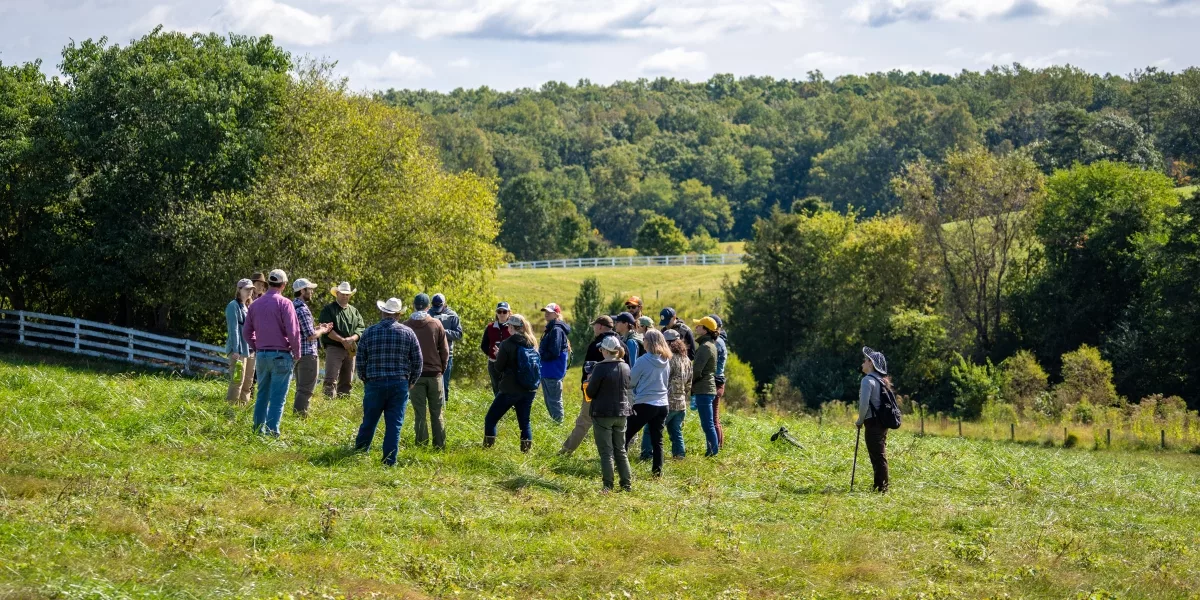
889,411
529,368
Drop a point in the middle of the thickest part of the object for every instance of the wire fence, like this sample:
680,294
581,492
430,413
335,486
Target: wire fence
630,261
101,340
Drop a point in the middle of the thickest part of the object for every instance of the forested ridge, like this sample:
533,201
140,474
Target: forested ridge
587,165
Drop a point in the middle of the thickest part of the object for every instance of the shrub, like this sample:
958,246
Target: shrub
781,395
974,385
1086,376
739,382
702,242
998,412
660,236
1022,379
1071,441
586,308
1084,412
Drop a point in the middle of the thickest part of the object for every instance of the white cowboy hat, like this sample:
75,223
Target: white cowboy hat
342,288
391,307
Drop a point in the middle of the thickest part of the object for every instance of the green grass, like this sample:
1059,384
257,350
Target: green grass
136,485
693,290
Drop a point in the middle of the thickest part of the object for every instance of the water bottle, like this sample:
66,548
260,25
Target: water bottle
693,403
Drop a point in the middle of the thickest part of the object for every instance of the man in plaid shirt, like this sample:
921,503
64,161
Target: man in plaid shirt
389,363
307,366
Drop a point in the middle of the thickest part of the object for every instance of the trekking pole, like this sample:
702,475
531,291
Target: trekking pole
854,466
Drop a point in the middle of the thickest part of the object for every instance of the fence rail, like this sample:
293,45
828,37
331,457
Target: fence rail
630,261
102,340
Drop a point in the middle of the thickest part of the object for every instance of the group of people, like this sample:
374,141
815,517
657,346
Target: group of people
636,377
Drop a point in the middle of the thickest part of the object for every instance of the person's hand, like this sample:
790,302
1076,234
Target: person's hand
858,424
347,343
235,356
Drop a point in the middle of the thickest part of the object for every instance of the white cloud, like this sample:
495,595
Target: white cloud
877,13
828,61
161,15
674,60
1033,61
286,23
396,69
460,63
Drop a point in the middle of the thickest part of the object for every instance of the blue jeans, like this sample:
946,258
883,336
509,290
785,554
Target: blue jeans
386,397
704,406
675,432
446,379
523,403
552,394
647,445
274,370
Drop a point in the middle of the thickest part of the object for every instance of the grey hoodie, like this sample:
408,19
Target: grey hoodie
650,380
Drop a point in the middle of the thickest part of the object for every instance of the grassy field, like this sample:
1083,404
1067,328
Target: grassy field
693,290
133,485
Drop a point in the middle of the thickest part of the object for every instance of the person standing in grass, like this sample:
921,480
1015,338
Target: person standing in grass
650,380
680,390
555,352
603,328
428,393
341,342
389,362
307,366
441,311
241,362
513,395
644,324
626,326
704,385
719,376
669,319
608,395
875,378
493,335
273,334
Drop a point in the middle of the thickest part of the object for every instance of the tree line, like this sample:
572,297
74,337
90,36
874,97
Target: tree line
141,185
587,166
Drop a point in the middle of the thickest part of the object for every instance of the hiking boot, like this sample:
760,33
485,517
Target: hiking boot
489,441
627,488
526,445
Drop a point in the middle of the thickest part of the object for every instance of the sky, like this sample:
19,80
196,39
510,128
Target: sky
509,44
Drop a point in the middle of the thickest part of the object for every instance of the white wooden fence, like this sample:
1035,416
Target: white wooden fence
630,261
109,341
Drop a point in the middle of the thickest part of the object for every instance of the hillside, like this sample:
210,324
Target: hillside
133,485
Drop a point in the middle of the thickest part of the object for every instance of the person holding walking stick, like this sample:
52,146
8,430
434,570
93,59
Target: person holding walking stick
875,378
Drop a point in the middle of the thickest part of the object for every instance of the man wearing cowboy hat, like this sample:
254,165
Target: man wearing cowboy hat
306,367
389,363
340,343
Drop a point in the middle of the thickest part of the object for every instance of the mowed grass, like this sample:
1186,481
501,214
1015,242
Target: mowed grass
136,485
695,291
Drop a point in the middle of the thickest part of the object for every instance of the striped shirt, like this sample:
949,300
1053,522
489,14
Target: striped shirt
389,349
307,328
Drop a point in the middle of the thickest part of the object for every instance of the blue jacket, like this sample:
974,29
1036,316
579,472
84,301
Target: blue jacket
722,352
553,350
235,317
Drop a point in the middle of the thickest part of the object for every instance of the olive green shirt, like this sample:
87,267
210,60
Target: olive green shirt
346,322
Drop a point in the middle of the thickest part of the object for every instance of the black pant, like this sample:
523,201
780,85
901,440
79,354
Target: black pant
494,376
877,449
654,417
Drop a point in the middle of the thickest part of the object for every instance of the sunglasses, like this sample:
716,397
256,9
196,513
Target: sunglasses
631,306
502,312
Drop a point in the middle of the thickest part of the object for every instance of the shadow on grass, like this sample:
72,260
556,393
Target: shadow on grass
333,456
571,467
520,482
16,355
809,490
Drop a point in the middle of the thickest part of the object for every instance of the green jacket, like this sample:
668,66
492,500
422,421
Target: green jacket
346,322
704,367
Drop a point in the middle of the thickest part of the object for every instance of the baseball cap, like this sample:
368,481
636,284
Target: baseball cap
554,308
634,300
665,316
421,302
611,343
671,335
645,321
244,283
626,318
502,306
439,299
604,320
303,283
707,323
277,276
515,321
720,323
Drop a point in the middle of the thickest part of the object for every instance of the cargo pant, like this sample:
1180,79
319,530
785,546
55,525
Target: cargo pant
306,383
241,380
339,370
428,394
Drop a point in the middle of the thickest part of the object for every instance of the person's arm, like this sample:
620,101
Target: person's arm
594,385
453,326
248,331
291,325
359,327
687,380
636,374
415,360
722,353
360,361
698,367
233,333
864,400
631,348
501,359
443,347
483,343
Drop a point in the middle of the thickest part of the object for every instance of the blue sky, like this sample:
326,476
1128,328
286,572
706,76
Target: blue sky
506,44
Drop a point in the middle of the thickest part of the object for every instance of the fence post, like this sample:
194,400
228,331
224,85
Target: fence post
699,293
187,356
820,419
76,335
1064,436
1012,431
1163,436
1108,437
921,411
21,326
130,346
960,427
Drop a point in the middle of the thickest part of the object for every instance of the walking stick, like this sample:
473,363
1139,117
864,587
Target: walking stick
854,467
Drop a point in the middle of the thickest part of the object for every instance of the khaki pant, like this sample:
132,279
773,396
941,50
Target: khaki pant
306,382
339,370
428,392
240,383
583,424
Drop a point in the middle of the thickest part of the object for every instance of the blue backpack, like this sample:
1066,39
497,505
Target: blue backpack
529,368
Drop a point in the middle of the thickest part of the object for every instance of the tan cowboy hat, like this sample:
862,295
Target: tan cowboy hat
391,307
342,288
